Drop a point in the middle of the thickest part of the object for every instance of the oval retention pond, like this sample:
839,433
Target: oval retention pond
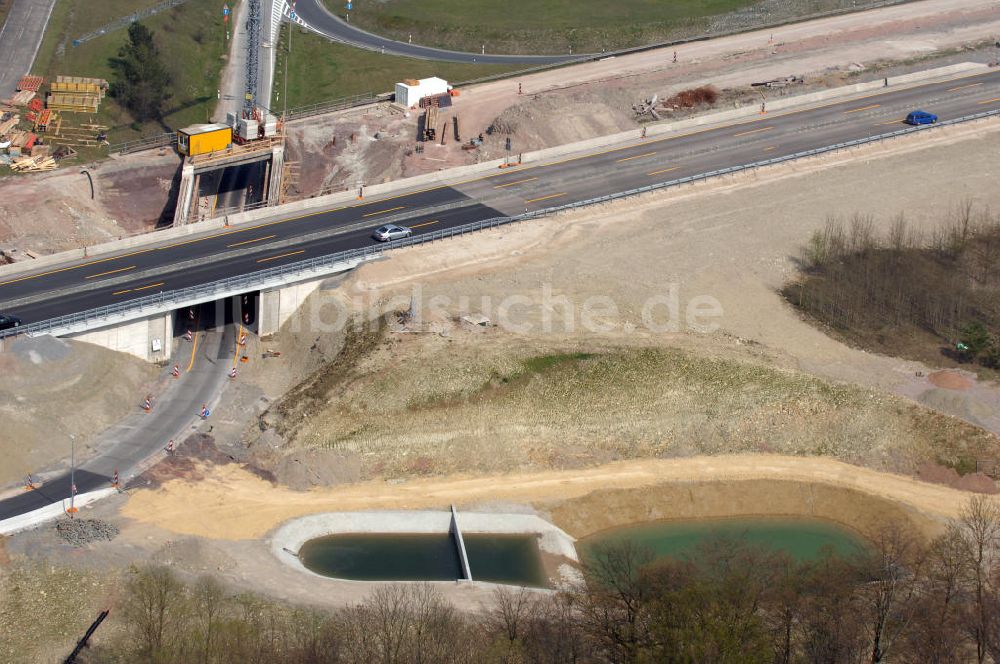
802,539
510,559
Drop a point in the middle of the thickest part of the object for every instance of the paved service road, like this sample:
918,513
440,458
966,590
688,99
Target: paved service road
317,17
210,256
204,363
20,38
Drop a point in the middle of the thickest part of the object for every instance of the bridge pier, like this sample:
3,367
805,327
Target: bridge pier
186,192
276,305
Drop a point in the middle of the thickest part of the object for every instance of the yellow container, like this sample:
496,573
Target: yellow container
204,138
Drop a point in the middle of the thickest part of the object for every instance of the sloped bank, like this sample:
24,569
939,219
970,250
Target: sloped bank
714,499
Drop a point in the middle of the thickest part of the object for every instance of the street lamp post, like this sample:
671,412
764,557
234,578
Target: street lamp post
72,476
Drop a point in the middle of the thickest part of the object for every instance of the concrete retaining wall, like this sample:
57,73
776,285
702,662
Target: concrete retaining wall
135,338
455,176
289,538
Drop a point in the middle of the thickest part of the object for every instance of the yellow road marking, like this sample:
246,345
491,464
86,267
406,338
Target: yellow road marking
863,108
989,101
891,122
664,170
770,147
545,198
426,223
260,239
274,258
511,184
754,131
372,214
962,87
648,154
150,286
236,356
194,350
122,292
104,274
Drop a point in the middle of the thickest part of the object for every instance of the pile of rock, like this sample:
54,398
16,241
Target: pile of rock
81,532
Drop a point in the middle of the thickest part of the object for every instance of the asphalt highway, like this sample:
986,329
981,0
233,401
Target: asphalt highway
20,37
83,285
319,18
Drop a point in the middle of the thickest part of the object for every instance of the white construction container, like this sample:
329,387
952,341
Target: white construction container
410,92
271,126
249,129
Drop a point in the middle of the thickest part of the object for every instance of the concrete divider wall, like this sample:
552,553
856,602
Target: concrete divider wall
458,174
37,517
463,556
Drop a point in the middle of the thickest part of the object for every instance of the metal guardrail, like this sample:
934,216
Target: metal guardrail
124,21
148,143
251,281
332,105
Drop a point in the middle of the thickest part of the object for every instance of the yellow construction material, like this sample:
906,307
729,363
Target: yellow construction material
79,85
73,103
203,139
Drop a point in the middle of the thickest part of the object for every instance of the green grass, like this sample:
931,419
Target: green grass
5,6
535,26
541,363
192,43
319,69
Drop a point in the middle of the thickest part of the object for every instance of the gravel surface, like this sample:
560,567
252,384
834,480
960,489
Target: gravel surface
81,532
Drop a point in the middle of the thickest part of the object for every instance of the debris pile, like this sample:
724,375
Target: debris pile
704,95
81,532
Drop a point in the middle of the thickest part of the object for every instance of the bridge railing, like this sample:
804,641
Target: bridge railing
316,266
148,143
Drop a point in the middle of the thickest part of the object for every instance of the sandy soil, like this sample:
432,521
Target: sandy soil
230,503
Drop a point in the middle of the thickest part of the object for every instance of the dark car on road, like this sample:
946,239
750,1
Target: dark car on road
391,232
8,322
920,118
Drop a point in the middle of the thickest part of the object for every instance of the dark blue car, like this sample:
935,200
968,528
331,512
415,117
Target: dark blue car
920,118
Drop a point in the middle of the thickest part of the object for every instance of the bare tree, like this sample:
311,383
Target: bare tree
613,602
892,571
509,619
154,597
979,528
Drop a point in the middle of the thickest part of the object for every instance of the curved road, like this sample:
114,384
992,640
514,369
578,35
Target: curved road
316,17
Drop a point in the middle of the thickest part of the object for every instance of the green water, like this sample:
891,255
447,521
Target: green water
383,557
802,539
512,559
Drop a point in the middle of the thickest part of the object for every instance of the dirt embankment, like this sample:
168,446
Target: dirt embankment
53,388
230,503
58,211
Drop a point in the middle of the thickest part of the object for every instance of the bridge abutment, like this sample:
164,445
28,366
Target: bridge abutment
148,338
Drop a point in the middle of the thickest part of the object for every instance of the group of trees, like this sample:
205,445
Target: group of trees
902,600
882,288
141,82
